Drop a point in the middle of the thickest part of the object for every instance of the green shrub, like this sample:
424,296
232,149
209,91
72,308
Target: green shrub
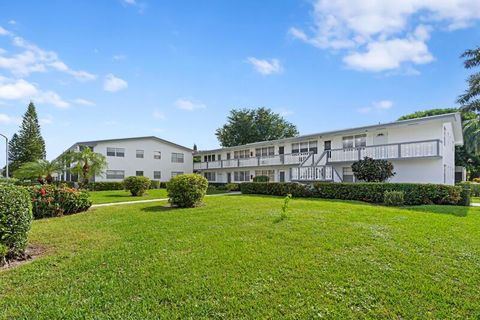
232,187
8,181
476,180
415,194
69,184
163,185
466,194
136,185
261,179
474,188
154,184
51,201
394,198
15,221
373,170
187,190
105,186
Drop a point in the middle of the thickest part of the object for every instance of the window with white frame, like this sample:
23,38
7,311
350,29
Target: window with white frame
115,174
157,175
176,173
241,154
241,176
357,141
140,154
305,146
265,151
347,174
157,155
177,157
210,176
139,173
268,173
209,158
116,152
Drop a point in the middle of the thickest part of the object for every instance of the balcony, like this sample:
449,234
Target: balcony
318,173
404,150
273,160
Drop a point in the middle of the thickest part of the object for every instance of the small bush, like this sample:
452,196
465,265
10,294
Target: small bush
466,194
51,201
69,184
187,190
232,187
154,184
394,198
136,185
261,179
476,180
15,221
105,186
474,188
373,170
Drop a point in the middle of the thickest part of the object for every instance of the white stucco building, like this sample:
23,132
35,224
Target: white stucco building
150,156
421,150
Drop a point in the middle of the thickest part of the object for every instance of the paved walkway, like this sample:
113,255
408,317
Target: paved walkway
475,204
155,200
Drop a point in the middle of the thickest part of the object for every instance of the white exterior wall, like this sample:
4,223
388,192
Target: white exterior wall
130,163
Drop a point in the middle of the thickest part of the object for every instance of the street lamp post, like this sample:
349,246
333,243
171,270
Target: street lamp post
6,155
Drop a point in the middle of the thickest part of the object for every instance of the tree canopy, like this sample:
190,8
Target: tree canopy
470,99
254,125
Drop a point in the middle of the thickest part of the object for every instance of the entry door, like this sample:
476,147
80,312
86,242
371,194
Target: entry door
282,176
229,177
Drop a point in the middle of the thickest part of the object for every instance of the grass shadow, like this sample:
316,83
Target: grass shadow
458,211
158,208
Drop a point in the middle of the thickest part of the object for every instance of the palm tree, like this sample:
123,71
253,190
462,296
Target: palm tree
87,163
42,170
470,99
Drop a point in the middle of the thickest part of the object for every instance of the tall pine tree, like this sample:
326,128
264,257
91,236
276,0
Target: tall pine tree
31,146
13,153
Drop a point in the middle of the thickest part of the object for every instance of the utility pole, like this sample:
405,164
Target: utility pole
6,155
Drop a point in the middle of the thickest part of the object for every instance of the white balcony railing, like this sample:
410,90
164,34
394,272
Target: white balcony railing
318,173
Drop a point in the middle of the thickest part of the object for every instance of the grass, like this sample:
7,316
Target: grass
99,197
476,199
229,259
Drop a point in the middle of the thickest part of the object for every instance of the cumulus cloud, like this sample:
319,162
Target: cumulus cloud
114,84
6,119
265,67
380,35
189,105
381,105
83,102
35,59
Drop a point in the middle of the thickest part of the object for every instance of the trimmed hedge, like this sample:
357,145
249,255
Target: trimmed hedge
15,221
105,186
261,179
415,194
394,198
232,187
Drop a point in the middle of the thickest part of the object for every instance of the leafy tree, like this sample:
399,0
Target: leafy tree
373,170
86,163
470,99
253,125
42,170
465,155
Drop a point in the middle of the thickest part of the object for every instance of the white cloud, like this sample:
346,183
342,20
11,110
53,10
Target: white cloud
378,106
52,98
4,32
265,67
83,102
380,35
46,120
114,84
34,59
119,57
6,119
189,105
12,22
158,115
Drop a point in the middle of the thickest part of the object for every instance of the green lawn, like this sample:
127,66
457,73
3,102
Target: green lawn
476,199
230,259
122,195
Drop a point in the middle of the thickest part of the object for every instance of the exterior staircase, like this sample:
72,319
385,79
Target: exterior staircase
314,169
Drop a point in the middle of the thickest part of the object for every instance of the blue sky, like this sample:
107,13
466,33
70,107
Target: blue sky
120,68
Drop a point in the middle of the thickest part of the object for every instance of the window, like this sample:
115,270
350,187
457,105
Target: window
241,154
140,154
176,173
269,173
115,174
347,174
209,158
241,176
116,152
157,155
358,141
177,157
210,176
139,173
304,147
157,175
265,151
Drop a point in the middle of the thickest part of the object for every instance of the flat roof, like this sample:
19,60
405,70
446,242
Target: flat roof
455,116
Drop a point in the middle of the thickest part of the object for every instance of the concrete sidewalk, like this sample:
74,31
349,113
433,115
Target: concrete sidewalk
155,200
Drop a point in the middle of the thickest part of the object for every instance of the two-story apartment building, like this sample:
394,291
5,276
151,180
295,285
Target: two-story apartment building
421,150
150,156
